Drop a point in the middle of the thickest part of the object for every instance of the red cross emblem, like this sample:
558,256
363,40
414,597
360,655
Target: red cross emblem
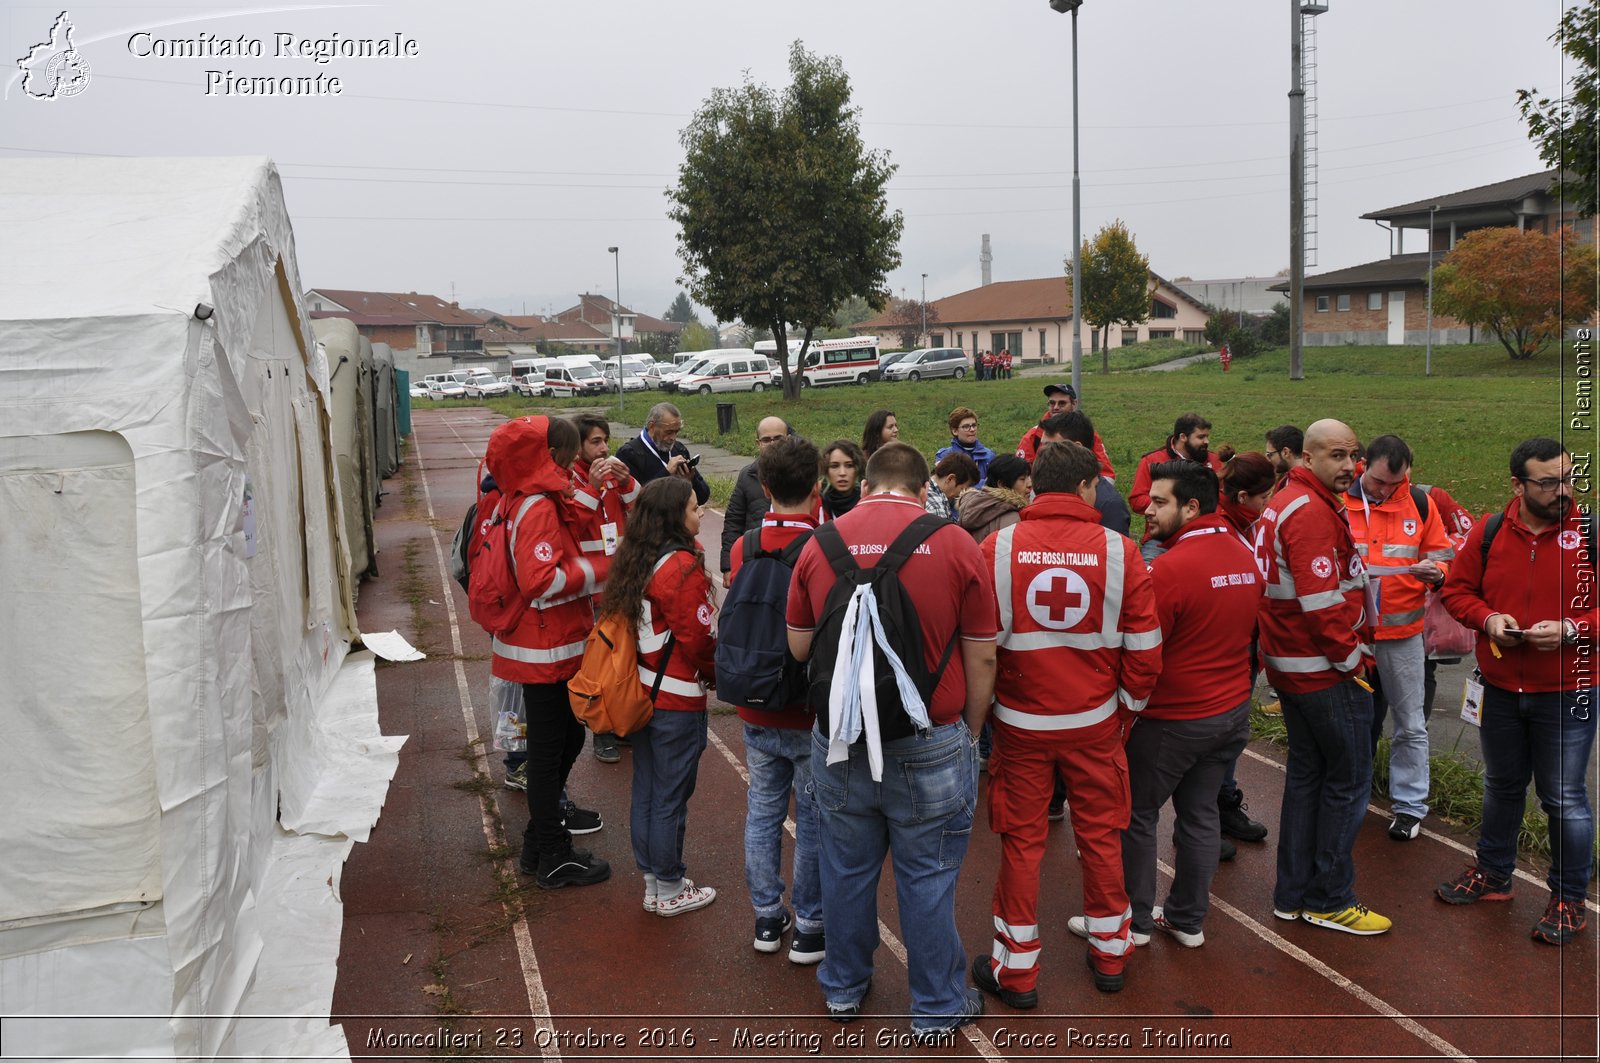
1058,598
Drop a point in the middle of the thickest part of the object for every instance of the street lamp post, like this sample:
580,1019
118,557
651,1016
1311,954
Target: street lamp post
1427,364
616,322
1066,6
924,310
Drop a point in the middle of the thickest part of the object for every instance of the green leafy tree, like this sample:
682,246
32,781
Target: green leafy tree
852,311
1116,283
696,337
681,310
780,205
1565,126
1525,287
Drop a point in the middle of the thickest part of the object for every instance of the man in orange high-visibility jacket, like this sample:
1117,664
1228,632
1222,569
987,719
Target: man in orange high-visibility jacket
1079,651
1399,535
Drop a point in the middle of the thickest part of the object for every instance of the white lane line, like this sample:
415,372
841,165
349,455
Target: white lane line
1526,876
980,1040
538,1000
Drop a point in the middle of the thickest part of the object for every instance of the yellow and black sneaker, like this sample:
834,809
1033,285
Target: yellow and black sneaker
1356,919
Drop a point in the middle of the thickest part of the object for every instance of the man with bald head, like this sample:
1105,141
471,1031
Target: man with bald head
1316,645
749,504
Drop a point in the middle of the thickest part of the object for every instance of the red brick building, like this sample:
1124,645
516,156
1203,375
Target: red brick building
420,326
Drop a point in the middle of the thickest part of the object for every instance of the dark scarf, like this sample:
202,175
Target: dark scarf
836,503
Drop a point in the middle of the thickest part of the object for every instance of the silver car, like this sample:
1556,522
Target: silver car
929,362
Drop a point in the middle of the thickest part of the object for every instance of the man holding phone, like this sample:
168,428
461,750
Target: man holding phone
656,452
1526,580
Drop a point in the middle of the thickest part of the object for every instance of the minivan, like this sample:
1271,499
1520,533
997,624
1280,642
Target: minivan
568,377
928,363
732,369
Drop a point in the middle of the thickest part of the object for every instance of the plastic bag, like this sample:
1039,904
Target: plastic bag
510,728
1442,636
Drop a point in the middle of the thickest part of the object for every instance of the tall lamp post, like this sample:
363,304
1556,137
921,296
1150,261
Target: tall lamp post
924,310
1065,7
616,322
1427,363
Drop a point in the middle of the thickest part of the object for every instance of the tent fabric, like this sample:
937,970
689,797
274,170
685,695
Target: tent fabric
170,510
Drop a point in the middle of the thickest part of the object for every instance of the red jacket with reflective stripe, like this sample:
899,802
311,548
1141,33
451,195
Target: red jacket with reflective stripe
678,600
1208,592
1139,493
1548,576
1028,449
594,507
552,570
1393,535
1079,637
1314,629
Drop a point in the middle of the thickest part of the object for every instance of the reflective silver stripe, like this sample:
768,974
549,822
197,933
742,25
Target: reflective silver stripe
592,546
586,500
1353,583
1020,933
1134,704
663,561
1111,616
1310,603
1294,665
647,641
530,655
1397,619
1350,663
1117,946
1028,721
1021,960
1447,554
588,576
1049,640
629,496
557,585
1361,548
1106,924
669,685
1399,550
550,603
1283,592
1141,640
1002,584
1283,587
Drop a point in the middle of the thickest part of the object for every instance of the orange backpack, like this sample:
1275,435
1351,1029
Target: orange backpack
606,694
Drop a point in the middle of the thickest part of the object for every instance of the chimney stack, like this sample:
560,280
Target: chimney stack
985,260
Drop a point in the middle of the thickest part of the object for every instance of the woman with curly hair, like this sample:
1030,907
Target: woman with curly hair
658,579
881,428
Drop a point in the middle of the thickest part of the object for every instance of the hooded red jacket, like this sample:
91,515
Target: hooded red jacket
1314,627
1547,576
552,569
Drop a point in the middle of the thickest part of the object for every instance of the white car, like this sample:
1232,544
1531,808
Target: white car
485,386
632,379
439,390
419,391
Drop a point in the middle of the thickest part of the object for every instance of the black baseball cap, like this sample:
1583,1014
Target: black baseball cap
1065,389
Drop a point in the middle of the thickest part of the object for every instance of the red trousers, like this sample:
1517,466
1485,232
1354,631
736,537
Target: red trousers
1022,771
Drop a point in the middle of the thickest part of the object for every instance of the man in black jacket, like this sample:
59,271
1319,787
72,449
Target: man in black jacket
656,452
749,503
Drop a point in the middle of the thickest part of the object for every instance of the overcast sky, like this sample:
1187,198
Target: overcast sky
523,139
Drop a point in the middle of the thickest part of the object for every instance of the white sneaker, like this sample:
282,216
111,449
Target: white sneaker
650,891
1081,928
1182,937
687,900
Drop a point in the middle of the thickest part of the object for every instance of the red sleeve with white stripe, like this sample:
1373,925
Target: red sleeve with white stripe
1140,664
680,593
547,567
1312,556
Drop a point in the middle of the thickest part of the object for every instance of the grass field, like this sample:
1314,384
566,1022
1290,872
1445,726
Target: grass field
1462,422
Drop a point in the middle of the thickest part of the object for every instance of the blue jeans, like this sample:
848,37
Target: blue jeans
1325,793
1400,680
666,762
1546,737
779,760
921,815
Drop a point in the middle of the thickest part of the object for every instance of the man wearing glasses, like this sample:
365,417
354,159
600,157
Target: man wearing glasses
1525,579
1060,398
749,503
656,452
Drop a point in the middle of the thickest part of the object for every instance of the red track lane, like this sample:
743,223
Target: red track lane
430,946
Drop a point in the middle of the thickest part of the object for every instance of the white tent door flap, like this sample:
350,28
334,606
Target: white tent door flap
77,749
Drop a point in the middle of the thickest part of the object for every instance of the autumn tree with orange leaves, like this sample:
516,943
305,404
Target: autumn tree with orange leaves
1524,287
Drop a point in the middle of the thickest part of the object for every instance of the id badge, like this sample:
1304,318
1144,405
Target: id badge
1472,701
608,536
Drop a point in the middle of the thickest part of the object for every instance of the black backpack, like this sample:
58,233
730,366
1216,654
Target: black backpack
1491,528
901,628
754,667
460,547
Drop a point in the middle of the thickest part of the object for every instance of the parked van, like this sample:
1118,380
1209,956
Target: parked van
527,375
732,369
565,378
928,363
667,376
847,361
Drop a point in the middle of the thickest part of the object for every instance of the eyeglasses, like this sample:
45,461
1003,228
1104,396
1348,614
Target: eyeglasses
764,440
1548,483
967,426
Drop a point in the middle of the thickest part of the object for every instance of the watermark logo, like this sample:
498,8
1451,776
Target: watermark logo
54,69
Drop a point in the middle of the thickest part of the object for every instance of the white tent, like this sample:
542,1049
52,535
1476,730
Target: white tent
187,747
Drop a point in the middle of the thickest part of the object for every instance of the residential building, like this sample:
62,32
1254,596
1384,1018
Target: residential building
412,324
1252,295
1386,301
1033,320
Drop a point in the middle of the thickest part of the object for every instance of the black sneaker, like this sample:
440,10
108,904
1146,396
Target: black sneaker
1474,885
579,820
1235,822
945,1035
849,1012
1227,851
1106,983
1058,811
605,749
1561,922
983,977
572,868
770,930
1405,827
807,948
527,868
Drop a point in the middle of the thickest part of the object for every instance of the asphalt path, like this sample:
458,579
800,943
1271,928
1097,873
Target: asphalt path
447,950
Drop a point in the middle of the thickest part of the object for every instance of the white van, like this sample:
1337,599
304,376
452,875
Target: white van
733,369
565,378
527,375
848,361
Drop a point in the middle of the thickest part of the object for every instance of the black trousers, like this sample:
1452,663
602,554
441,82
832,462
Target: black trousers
555,738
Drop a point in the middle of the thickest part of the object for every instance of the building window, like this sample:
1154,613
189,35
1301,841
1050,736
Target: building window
1344,302
1161,334
936,339
1041,345
1322,304
1130,336
1159,309
958,340
1374,300
1194,335
1006,341
1094,341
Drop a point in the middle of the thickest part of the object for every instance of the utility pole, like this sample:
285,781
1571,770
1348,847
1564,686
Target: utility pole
1297,194
924,310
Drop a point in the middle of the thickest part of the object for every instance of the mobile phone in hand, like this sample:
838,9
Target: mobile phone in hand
1513,632
694,461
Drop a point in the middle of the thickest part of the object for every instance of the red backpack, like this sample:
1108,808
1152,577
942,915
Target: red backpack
494,599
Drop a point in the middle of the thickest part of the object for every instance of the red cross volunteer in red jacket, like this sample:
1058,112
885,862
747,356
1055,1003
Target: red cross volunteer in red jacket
1315,642
529,458
1079,651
